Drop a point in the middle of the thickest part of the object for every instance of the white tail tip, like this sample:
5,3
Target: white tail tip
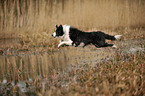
118,37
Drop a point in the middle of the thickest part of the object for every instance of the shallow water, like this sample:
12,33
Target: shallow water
32,65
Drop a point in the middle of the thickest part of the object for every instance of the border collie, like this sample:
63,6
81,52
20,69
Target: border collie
73,36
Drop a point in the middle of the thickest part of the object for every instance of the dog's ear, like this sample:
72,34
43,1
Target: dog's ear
56,26
60,25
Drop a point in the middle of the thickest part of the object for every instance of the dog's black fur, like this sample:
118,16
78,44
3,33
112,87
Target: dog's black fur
96,38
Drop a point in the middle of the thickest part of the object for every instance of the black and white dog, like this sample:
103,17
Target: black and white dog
73,36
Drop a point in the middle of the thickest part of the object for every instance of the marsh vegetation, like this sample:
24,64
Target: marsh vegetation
31,63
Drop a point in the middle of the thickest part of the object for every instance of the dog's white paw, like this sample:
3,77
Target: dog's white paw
114,46
59,45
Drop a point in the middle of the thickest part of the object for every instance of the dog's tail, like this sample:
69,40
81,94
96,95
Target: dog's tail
116,37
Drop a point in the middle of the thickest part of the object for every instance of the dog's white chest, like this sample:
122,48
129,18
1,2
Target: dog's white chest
65,37
66,30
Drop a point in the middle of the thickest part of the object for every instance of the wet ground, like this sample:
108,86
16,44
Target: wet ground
30,70
37,62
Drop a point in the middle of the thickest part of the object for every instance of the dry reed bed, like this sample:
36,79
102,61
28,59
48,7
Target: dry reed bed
84,14
123,75
34,21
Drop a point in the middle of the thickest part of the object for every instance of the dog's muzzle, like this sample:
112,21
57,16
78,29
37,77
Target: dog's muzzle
54,34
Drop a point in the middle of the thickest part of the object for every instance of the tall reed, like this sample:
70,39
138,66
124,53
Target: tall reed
42,15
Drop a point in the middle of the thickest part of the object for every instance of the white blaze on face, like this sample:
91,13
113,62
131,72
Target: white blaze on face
54,34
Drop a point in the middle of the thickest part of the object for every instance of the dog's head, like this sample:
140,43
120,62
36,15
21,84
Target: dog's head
58,31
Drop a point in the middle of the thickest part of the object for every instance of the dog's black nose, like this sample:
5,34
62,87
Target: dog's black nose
52,35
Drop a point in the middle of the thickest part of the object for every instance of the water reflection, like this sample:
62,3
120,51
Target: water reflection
31,66
26,66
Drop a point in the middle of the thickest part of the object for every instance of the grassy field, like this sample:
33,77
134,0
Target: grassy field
31,63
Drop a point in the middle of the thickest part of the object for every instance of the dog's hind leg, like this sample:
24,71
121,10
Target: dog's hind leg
109,45
99,44
96,45
106,45
102,44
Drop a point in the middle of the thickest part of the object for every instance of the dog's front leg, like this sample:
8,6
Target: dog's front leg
61,43
66,42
